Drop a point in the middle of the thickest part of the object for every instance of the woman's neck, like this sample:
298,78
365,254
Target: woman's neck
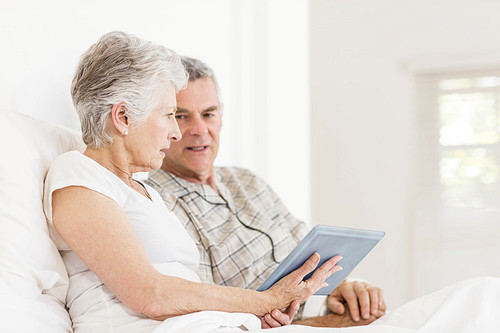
114,162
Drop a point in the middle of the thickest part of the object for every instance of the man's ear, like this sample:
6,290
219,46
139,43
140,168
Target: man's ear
221,108
119,118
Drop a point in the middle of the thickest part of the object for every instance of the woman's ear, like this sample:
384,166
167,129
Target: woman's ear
119,118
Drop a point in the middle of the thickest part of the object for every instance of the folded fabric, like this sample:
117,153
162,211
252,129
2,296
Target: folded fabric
210,321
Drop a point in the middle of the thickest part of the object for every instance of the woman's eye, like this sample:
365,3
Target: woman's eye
180,116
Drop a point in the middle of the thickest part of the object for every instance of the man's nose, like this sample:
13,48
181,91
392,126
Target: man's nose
197,126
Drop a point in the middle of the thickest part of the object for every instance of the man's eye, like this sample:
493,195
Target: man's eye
208,115
180,116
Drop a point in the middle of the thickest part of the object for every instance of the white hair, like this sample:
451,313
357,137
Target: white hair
197,69
121,68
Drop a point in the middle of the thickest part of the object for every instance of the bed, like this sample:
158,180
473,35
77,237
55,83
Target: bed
33,279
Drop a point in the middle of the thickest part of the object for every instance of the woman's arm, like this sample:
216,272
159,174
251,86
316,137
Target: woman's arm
99,232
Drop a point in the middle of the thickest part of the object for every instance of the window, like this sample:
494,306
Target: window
457,187
469,140
459,142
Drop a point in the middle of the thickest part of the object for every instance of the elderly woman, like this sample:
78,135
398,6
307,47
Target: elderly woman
130,261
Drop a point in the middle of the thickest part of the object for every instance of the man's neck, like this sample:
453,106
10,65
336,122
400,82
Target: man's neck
205,179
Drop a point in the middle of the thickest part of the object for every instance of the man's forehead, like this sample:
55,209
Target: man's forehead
199,95
181,109
204,86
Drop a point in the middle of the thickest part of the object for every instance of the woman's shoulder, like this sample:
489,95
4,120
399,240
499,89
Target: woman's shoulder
72,163
75,169
73,166
65,161
68,155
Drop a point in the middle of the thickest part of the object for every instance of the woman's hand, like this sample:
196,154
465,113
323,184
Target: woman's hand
291,287
278,318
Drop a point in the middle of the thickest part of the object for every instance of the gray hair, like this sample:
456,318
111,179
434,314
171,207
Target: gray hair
121,68
197,69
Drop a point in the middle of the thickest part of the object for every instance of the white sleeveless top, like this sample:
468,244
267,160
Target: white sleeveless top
168,246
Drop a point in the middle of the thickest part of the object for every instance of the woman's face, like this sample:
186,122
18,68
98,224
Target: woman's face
146,141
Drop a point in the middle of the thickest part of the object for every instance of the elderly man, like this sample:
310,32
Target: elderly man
241,227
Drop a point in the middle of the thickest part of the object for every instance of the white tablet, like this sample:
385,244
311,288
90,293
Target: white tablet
352,244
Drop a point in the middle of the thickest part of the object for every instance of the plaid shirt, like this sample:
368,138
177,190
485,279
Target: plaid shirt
242,232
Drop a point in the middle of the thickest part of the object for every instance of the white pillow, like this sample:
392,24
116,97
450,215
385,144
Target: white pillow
30,265
20,314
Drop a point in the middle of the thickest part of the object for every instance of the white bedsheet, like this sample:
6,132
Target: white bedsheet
210,321
471,306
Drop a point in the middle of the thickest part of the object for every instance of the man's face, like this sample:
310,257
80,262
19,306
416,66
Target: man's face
199,118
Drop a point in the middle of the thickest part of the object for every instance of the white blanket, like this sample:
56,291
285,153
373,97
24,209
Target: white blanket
210,321
471,306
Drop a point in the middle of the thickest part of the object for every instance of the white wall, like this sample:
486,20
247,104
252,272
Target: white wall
362,129
272,99
364,123
249,44
42,42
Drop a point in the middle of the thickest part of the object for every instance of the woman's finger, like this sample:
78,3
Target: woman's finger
306,268
293,285
271,321
281,317
263,323
325,271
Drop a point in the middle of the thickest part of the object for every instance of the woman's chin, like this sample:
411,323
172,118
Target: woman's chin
156,164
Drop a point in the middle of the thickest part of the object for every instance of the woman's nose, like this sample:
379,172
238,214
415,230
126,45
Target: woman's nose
175,135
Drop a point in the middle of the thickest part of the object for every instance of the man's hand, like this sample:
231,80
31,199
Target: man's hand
358,297
279,318
335,320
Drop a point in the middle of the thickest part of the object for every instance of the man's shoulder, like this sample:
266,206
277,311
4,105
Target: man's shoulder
238,174
160,178
234,171
239,178
168,185
171,187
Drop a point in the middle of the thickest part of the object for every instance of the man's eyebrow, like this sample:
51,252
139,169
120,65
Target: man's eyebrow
211,108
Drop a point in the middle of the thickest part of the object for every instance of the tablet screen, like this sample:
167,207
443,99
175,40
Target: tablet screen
352,244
